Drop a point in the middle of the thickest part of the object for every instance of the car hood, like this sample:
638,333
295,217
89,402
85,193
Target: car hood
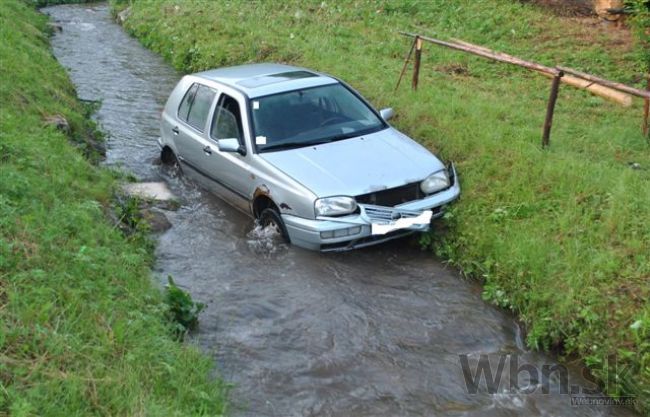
357,166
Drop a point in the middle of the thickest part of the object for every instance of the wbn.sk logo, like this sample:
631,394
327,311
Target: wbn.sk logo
490,376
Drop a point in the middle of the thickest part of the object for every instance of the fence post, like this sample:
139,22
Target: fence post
406,63
550,109
646,110
416,65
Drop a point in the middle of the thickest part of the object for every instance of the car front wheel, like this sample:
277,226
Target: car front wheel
270,218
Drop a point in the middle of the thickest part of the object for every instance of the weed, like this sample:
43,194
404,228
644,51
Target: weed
184,312
130,213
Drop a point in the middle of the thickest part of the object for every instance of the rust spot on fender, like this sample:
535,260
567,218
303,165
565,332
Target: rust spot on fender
285,206
261,190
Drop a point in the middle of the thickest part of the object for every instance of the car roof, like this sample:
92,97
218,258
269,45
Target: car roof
256,80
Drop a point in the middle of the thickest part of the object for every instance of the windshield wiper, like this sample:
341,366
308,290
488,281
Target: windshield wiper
349,135
289,145
342,136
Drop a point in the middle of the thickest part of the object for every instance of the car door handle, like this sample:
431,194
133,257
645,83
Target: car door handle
175,130
207,150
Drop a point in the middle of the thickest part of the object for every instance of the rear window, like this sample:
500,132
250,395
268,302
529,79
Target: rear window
195,106
184,108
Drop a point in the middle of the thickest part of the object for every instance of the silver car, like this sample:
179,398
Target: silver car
305,154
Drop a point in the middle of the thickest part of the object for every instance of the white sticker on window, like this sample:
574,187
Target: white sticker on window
256,105
260,140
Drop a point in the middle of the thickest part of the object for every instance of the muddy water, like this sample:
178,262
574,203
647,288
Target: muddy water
376,332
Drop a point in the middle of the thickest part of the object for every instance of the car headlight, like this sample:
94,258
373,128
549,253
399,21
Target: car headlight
435,182
333,206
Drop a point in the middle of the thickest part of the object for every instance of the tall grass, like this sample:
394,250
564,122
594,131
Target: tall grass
82,328
639,21
561,236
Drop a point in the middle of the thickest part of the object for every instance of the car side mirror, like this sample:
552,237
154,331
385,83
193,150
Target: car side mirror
387,113
230,145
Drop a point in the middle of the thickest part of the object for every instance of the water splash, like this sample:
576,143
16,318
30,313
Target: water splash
265,241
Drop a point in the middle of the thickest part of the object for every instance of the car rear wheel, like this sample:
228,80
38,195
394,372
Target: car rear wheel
168,157
169,160
270,218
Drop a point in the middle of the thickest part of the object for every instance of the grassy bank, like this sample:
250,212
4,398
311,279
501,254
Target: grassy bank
559,236
82,328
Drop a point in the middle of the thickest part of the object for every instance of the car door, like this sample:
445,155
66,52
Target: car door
194,148
231,168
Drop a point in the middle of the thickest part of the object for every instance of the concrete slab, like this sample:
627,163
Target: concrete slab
149,190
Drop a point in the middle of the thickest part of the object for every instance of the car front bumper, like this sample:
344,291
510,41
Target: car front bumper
373,225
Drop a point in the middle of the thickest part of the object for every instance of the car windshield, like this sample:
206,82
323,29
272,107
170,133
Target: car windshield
311,116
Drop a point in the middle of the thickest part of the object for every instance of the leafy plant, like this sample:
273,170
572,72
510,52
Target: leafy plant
184,312
132,221
129,212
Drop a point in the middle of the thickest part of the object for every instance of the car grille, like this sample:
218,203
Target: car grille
379,213
393,196
387,214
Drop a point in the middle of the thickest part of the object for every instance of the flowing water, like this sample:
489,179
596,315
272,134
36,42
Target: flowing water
375,332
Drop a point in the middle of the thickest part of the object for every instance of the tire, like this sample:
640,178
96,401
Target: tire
169,161
271,218
167,157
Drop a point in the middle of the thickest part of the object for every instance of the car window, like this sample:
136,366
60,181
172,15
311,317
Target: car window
200,107
227,120
186,103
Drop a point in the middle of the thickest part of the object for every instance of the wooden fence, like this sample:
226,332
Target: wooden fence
611,90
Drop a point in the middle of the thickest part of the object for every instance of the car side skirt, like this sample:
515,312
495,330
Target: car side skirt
225,193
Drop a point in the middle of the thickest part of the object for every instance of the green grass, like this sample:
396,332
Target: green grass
82,326
639,22
561,236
